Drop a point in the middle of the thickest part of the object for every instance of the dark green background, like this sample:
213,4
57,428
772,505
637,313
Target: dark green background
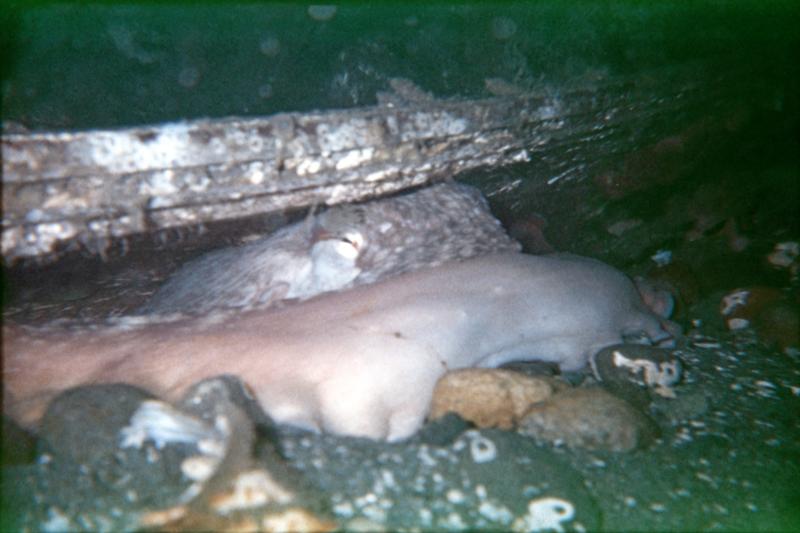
79,65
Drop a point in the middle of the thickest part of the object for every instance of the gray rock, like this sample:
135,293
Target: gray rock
85,478
82,424
589,418
636,372
689,404
114,458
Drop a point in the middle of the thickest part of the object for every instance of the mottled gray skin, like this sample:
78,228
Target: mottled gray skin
340,248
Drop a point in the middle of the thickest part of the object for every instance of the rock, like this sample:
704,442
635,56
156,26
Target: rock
442,431
785,255
241,479
741,306
85,470
774,314
218,395
253,442
542,408
529,231
778,325
588,418
82,424
488,397
536,369
633,371
689,405
114,457
680,279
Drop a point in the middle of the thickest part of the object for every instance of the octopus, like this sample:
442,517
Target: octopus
343,247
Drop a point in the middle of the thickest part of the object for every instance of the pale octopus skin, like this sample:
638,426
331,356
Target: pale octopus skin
361,362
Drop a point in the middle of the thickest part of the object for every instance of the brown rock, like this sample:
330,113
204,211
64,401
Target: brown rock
588,418
741,306
779,324
681,280
488,397
774,314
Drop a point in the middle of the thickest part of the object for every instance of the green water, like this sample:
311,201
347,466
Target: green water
75,65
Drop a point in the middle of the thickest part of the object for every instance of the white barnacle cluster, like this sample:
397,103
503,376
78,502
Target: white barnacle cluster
424,456
373,506
354,158
662,257
545,514
495,512
345,136
57,521
42,236
733,301
481,449
162,424
437,124
661,376
784,254
125,152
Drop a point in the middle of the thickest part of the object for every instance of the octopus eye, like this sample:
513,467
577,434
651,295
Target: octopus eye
349,241
354,239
